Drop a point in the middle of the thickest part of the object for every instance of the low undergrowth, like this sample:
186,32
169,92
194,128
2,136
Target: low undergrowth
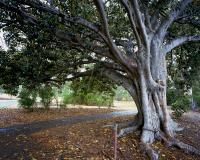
94,99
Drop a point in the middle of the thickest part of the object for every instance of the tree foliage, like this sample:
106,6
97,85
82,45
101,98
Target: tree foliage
122,95
35,37
27,98
90,91
46,94
183,71
196,91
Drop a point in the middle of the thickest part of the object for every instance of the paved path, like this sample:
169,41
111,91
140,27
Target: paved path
40,125
195,116
7,103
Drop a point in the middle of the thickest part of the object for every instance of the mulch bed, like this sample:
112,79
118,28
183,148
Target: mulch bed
85,141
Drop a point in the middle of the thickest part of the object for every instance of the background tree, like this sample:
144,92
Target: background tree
122,95
196,94
131,53
28,98
45,92
183,71
90,90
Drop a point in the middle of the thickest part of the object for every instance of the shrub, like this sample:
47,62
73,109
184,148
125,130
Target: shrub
88,99
46,94
181,105
63,106
98,99
27,99
172,96
56,93
196,93
68,98
88,91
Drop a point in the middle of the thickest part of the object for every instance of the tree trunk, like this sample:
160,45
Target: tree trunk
147,87
156,117
155,114
193,103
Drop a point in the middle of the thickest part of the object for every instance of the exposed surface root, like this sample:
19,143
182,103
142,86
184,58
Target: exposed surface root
176,127
123,124
146,149
185,147
128,127
160,136
125,127
128,130
174,142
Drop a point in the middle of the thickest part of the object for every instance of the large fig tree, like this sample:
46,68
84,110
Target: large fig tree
125,40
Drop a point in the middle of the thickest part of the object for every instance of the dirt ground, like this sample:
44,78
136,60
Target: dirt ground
18,116
83,141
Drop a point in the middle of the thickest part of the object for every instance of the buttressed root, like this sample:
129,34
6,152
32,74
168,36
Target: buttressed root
128,130
169,143
185,147
128,127
147,150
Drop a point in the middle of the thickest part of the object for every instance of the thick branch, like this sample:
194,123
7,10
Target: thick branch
128,45
155,21
171,17
122,58
179,41
100,7
121,80
132,21
23,14
45,8
90,25
139,18
148,21
113,66
74,75
74,20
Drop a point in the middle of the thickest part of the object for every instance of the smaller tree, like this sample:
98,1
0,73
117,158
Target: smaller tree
196,94
27,98
46,94
181,105
56,94
89,90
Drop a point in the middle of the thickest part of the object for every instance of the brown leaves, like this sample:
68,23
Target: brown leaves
84,141
18,116
22,137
